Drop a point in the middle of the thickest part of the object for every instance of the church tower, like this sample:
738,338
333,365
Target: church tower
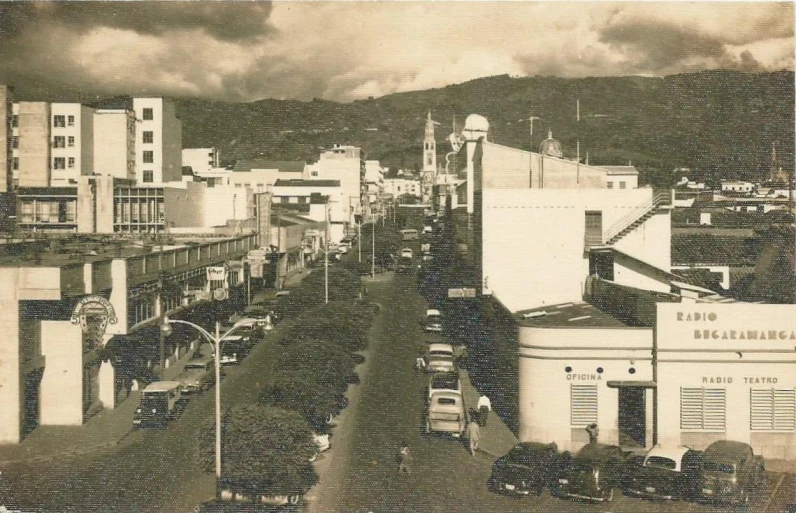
430,147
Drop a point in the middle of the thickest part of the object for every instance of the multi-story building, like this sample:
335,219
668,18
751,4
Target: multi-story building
200,160
346,164
81,323
290,192
7,129
32,144
374,181
114,142
158,141
397,187
72,141
261,175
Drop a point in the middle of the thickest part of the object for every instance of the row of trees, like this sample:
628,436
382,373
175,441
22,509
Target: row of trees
267,446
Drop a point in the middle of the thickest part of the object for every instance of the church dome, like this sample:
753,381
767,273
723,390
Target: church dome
550,147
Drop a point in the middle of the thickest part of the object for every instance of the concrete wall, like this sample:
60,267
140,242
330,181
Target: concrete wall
11,390
104,203
85,206
114,143
630,181
201,160
61,391
86,120
225,203
34,144
184,207
544,383
533,241
172,143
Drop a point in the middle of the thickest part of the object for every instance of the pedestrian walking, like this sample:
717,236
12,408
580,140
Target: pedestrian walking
484,407
593,432
404,458
473,432
420,362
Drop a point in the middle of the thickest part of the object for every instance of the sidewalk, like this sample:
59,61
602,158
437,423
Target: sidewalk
496,438
106,429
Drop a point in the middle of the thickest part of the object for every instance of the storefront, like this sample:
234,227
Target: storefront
728,371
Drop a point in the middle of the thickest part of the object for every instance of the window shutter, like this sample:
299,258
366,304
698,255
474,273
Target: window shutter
715,409
762,404
703,409
583,408
690,408
785,409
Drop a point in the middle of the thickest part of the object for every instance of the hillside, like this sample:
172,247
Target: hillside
719,122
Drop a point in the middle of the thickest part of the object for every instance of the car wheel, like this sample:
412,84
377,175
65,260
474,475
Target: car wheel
314,457
329,418
609,495
294,499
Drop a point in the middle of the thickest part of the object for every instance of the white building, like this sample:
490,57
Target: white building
399,186
290,192
621,177
158,141
200,160
737,186
114,142
72,142
374,180
346,164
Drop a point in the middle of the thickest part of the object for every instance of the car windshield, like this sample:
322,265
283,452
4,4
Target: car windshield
449,382
724,468
446,400
440,353
153,401
660,462
194,366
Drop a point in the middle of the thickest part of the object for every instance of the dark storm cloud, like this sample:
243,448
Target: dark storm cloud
653,45
225,21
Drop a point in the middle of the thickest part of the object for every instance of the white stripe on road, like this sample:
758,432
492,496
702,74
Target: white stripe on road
774,492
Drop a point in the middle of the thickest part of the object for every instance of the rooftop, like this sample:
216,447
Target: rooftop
619,170
283,166
306,183
567,315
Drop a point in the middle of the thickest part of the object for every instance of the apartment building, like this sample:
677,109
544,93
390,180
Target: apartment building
7,127
346,164
158,141
114,142
32,145
200,160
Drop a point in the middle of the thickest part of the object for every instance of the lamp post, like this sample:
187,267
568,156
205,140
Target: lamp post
373,255
216,342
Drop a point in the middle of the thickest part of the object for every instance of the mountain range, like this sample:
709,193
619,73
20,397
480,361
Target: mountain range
720,124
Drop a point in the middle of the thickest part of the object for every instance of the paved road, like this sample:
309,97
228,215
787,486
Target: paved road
445,478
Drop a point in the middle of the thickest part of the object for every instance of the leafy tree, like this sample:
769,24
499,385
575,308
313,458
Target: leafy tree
344,323
313,393
343,284
265,450
316,355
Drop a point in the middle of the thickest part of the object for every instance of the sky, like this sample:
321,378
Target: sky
345,50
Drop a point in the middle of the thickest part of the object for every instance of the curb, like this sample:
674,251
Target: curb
74,452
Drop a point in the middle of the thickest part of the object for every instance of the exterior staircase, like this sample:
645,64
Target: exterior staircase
634,219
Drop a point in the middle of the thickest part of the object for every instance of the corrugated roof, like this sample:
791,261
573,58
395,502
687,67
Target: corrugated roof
307,183
283,166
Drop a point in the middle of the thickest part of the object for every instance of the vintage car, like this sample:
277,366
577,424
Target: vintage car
405,265
527,468
665,473
446,414
197,376
440,358
595,471
729,473
406,253
161,402
444,381
433,321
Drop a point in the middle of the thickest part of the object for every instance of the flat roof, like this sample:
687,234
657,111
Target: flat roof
283,166
567,315
306,183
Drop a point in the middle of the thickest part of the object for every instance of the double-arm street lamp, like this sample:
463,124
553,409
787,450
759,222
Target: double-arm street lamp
217,343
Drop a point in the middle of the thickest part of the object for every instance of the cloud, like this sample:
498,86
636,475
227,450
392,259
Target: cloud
242,51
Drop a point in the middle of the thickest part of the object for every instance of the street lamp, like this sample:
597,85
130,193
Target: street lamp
216,343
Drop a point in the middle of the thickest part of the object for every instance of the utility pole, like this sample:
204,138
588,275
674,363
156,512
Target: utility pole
326,256
577,175
162,309
373,259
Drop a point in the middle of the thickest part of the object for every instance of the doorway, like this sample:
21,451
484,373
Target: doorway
632,417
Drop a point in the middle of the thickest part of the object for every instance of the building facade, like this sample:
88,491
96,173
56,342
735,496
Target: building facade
72,142
114,143
201,160
8,128
158,141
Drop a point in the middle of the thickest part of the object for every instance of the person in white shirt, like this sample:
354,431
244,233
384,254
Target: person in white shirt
484,407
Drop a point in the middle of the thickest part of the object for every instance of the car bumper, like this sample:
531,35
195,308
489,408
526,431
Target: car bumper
511,488
646,494
565,490
436,329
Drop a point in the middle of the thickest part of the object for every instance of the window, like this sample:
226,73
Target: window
594,227
773,409
583,405
148,115
149,176
70,121
59,141
610,185
14,121
149,157
621,185
238,185
59,163
703,409
302,199
59,121
284,199
313,173
15,142
16,163
71,141
71,163
149,137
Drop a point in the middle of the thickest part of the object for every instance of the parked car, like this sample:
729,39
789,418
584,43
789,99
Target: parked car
446,414
406,253
433,321
595,472
197,376
444,381
427,257
528,468
161,402
665,473
425,247
729,473
233,350
440,358
428,230
405,265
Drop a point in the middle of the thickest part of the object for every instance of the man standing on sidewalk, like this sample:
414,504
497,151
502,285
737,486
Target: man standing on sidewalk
484,407
404,459
473,432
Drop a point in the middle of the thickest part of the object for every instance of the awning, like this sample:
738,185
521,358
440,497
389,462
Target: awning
632,384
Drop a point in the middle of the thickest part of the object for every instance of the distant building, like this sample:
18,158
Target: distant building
346,164
114,142
201,160
8,128
397,187
158,141
737,187
72,142
621,177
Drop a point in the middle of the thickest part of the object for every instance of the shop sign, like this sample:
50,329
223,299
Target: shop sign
96,309
216,274
461,293
256,254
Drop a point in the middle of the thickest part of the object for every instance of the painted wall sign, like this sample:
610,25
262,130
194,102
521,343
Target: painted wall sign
96,310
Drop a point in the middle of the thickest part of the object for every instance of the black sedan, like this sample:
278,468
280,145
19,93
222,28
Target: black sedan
594,473
666,473
527,468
